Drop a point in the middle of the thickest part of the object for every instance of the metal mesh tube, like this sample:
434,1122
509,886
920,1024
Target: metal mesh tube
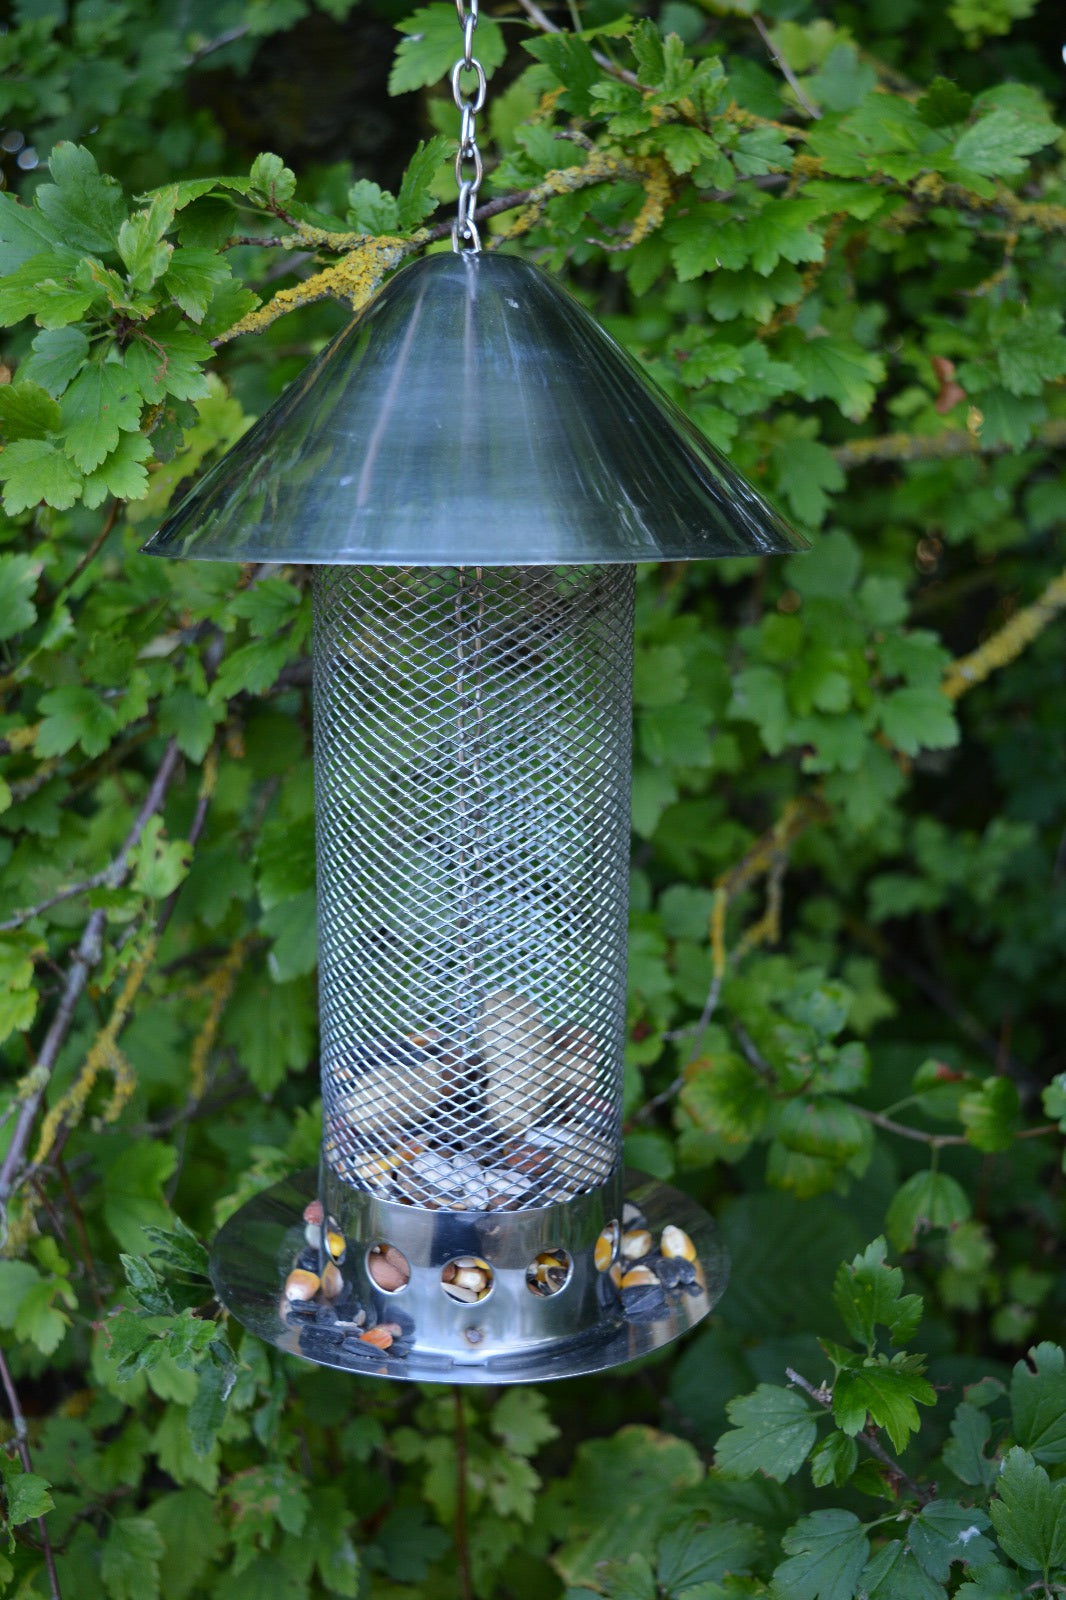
472,765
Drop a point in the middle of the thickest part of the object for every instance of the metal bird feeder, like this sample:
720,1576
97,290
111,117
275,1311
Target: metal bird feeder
472,468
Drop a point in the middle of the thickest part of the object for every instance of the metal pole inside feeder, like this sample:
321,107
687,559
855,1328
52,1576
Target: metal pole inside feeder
473,468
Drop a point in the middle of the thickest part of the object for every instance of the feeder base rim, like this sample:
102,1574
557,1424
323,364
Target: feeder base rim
253,1253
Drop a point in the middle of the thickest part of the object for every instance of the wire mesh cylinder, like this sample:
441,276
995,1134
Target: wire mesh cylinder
472,756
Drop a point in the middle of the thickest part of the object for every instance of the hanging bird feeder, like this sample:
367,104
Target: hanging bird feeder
472,468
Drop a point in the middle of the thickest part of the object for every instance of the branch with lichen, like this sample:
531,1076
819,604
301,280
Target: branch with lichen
219,986
945,446
103,1056
354,278
1007,643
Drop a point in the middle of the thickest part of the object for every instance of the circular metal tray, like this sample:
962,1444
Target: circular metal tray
256,1249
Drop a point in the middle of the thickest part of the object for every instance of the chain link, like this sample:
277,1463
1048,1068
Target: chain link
468,165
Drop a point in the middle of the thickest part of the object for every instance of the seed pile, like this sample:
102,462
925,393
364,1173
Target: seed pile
517,1121
548,1273
638,1274
320,1301
467,1279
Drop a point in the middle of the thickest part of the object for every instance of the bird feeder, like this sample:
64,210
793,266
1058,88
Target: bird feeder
472,469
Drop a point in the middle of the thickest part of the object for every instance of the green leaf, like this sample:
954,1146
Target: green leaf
371,209
415,199
807,474
990,1114
47,288
430,49
615,1498
191,719
208,1411
927,1200
409,1544
697,1551
1029,1514
159,864
833,1461
894,1574
272,179
887,1394
38,1319
293,925
191,1536
944,104
129,1562
27,411
27,1496
166,356
869,1294
1038,1403
34,470
24,233
996,146
122,474
101,402
990,1582
833,368
827,1551
632,1579
773,1431
192,278
18,584
659,677
724,1095
132,1188
85,208
944,1532
56,356
74,716
521,1422
964,1451
335,1553
1030,349
145,254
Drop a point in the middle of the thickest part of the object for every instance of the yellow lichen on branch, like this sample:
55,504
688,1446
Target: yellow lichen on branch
942,446
104,1056
355,278
1007,643
601,167
219,986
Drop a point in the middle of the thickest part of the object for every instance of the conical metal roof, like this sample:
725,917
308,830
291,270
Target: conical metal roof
473,414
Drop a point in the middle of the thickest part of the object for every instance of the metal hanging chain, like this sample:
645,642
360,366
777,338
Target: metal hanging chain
468,167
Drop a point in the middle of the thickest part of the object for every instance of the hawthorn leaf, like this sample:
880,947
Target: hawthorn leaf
1029,1514
826,1552
773,1431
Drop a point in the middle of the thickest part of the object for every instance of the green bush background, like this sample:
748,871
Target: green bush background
835,234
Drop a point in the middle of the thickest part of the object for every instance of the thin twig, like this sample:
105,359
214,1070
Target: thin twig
936,1141
21,1441
786,71
85,958
219,42
20,918
462,1538
546,25
869,1441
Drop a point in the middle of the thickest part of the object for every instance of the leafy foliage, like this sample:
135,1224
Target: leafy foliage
844,260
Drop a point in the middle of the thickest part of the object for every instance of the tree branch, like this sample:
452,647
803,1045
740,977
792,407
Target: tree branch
85,958
21,1442
462,1540
824,1398
944,446
786,71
